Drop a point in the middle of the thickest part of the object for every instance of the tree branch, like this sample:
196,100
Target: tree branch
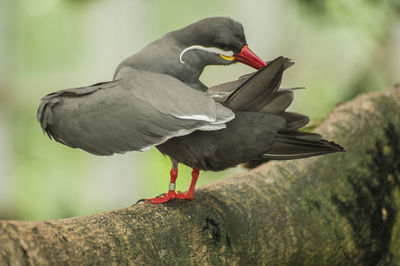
328,210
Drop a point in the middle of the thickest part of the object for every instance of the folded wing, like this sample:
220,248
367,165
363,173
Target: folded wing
134,113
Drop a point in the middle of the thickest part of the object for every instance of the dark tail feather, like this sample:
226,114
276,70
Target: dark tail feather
296,145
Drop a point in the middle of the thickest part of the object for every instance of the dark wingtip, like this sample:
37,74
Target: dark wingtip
329,147
286,64
334,145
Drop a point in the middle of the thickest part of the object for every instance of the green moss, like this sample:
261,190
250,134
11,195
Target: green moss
373,199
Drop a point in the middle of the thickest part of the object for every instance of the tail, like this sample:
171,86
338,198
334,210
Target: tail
297,145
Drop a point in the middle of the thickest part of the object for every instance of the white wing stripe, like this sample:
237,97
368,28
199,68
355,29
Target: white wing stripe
196,117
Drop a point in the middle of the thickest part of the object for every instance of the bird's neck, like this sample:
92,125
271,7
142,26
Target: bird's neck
162,56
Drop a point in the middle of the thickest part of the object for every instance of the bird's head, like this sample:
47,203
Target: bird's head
215,41
184,53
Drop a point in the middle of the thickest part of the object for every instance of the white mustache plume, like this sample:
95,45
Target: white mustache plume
213,50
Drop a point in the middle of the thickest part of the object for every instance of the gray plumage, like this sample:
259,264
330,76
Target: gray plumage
162,55
262,129
156,100
135,113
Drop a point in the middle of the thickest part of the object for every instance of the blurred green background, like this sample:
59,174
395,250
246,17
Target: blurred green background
341,48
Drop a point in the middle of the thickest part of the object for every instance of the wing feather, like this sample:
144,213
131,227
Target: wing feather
130,114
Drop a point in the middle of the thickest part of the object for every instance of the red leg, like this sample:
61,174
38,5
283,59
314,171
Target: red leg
189,195
171,192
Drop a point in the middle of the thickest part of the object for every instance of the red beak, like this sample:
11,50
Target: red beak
248,57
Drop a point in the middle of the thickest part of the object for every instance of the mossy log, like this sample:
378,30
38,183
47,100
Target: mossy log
339,209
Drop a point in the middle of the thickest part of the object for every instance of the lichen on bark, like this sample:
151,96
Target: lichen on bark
338,209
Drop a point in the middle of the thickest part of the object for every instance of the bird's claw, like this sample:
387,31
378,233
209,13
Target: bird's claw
188,195
165,197
162,198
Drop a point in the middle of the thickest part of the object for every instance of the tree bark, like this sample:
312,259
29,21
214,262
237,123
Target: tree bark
339,209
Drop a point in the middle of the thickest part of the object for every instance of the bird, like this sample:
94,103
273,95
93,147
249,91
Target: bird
156,99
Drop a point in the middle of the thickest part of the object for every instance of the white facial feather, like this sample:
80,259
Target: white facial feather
213,50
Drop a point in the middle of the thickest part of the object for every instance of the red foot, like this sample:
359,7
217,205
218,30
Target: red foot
188,195
162,199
